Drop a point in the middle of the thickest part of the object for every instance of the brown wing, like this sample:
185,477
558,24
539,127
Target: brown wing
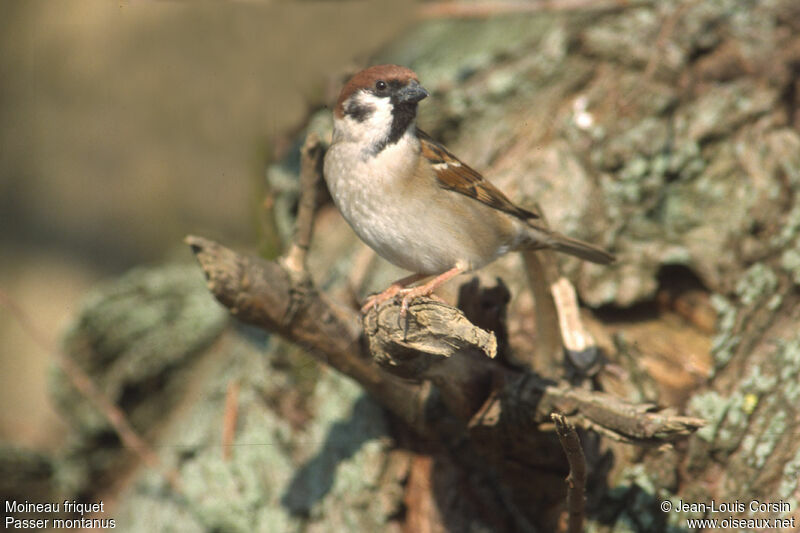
454,175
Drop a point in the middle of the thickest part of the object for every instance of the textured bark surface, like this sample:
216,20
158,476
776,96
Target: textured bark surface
667,132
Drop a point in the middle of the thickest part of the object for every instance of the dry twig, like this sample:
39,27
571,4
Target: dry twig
491,9
576,480
229,419
310,178
294,261
558,323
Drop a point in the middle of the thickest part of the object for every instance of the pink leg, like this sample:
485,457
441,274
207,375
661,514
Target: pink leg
377,299
427,288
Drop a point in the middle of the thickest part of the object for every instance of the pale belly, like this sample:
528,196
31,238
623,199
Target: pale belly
416,233
397,234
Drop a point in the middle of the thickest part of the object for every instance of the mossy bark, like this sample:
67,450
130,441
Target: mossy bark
667,132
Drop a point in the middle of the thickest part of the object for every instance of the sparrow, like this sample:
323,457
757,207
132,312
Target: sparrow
415,203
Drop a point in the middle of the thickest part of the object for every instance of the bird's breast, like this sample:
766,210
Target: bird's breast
417,226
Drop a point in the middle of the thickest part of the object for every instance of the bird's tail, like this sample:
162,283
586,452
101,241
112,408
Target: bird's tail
539,238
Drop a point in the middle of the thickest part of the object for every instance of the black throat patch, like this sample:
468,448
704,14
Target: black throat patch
403,115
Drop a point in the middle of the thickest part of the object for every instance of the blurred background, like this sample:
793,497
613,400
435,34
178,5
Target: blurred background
126,125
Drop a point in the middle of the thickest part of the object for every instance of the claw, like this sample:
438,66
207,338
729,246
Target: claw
391,291
375,300
426,289
399,287
404,306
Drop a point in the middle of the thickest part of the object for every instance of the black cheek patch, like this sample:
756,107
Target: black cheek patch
358,111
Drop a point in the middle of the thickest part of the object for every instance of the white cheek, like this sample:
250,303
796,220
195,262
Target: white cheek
377,125
381,117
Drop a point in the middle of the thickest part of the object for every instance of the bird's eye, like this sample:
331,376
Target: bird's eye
380,85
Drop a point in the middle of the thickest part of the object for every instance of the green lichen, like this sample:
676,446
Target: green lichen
790,480
282,177
635,169
734,425
791,391
748,444
769,438
447,51
716,113
790,262
775,301
685,160
620,40
724,342
758,282
788,360
789,356
326,476
711,407
790,228
756,381
727,419
759,444
131,330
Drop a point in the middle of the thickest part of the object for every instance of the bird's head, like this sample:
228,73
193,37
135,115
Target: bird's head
378,104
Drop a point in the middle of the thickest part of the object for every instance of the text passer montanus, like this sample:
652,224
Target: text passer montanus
414,202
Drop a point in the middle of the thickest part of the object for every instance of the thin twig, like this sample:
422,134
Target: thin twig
310,177
489,9
294,261
231,415
86,387
575,336
360,271
550,350
576,480
558,321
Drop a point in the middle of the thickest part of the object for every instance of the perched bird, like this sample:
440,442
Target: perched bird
411,200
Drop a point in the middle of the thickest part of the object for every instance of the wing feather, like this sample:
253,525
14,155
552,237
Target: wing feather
452,174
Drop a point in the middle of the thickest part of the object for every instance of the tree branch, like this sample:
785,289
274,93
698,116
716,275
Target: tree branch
395,358
259,292
310,179
430,346
576,480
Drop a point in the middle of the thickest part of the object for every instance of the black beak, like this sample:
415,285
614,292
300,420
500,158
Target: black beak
411,93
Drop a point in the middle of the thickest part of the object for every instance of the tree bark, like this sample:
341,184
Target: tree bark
664,131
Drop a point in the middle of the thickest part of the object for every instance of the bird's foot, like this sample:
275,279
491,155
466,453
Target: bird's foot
374,300
416,292
426,289
408,294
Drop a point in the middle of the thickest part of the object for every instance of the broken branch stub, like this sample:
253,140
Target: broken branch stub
414,346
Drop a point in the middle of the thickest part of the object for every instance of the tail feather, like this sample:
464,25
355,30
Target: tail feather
541,238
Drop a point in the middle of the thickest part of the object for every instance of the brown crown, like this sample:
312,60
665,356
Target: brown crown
366,80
